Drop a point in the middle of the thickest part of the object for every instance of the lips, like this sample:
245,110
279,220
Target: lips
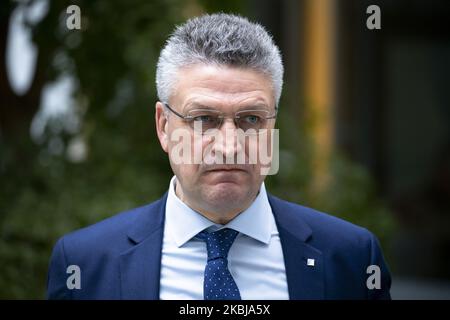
226,174
225,168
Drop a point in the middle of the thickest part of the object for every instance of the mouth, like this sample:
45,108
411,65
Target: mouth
226,175
226,169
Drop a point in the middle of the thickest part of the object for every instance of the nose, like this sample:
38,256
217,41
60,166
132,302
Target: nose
228,145
229,124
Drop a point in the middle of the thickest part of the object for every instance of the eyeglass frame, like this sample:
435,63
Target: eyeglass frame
190,118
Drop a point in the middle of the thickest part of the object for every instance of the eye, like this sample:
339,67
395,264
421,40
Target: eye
252,119
204,118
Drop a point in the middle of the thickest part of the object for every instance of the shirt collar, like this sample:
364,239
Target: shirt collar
184,223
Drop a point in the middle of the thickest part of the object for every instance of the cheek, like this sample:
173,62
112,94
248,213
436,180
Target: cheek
201,149
182,157
189,173
251,149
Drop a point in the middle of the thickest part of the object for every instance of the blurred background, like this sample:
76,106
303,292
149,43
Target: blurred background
364,123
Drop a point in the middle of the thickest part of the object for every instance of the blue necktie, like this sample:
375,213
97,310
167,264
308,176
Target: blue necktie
218,283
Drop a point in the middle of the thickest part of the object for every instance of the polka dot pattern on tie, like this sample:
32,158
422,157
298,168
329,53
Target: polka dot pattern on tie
218,283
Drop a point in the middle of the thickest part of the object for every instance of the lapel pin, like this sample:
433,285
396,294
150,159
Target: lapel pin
310,262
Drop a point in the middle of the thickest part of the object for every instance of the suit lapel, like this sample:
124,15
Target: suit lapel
141,264
305,280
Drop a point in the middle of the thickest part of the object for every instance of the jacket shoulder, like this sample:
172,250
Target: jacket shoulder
323,226
112,233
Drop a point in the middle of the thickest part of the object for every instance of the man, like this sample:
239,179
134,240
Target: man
217,233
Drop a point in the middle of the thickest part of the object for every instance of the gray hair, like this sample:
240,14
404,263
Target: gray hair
222,39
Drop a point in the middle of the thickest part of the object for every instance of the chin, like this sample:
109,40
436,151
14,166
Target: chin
226,195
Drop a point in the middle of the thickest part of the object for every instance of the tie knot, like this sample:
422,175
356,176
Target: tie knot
218,243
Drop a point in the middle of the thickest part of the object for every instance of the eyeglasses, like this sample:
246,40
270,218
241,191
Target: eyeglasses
250,121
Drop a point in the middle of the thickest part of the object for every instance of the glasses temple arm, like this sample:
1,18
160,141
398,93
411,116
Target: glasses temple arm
173,111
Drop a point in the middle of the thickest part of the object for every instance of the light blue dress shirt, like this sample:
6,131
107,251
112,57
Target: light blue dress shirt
255,259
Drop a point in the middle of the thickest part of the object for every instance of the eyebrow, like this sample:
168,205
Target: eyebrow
196,105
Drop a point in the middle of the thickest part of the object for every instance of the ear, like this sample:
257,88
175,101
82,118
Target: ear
162,126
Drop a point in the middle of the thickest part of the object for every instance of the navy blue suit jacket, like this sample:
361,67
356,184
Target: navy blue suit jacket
120,257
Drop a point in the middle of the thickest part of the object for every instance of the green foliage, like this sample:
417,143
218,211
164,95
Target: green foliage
113,60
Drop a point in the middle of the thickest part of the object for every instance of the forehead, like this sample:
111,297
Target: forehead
222,86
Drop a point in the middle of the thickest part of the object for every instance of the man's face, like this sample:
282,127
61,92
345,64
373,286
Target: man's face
219,191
